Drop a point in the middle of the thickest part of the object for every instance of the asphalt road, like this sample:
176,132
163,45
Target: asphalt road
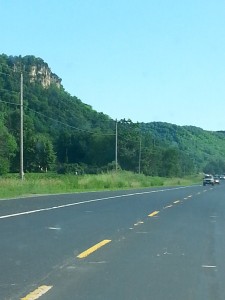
160,244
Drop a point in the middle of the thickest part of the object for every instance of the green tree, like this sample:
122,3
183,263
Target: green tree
8,148
101,150
215,167
170,163
128,144
41,154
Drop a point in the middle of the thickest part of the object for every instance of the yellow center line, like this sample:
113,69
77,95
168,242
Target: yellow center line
37,293
154,213
175,202
93,249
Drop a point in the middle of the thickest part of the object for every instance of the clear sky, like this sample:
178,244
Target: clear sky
146,60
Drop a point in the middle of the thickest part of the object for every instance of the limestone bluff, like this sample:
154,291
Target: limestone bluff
36,69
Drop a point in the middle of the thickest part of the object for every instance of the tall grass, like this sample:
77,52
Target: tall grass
51,183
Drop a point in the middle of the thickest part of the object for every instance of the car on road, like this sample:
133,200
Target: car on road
208,179
216,179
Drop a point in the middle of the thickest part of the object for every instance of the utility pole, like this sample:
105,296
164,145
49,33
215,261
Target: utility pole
116,148
21,127
139,160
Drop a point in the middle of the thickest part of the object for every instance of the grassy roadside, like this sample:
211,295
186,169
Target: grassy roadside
50,183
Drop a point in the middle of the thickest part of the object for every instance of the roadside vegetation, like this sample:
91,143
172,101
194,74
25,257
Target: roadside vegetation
64,135
51,183
69,147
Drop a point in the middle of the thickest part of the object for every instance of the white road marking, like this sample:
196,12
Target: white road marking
54,228
87,201
138,223
168,206
97,262
167,253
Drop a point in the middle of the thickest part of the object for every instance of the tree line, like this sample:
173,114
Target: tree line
63,134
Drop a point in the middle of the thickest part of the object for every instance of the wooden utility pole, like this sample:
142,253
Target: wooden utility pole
21,127
116,148
139,160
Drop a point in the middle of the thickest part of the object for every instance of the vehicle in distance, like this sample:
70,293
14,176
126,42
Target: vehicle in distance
222,177
216,179
208,179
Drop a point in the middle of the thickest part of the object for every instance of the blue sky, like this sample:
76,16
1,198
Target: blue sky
147,60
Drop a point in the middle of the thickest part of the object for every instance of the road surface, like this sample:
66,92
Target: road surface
158,243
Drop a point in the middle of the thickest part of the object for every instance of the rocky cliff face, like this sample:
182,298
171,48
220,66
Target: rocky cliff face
43,74
36,68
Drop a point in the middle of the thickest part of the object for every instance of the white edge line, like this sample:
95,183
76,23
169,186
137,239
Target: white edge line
87,201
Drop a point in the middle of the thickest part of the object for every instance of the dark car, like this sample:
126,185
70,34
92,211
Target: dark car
208,179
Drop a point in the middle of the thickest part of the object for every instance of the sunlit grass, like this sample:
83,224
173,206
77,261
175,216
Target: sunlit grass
51,183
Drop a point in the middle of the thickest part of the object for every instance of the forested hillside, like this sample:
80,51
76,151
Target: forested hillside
206,148
63,134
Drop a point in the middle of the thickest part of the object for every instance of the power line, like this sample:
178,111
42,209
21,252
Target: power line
14,69
70,126
60,122
5,73
12,103
129,139
6,90
9,68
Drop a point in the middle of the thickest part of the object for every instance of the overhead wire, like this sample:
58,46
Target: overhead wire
55,120
10,91
70,126
41,114
60,122
12,103
14,69
5,73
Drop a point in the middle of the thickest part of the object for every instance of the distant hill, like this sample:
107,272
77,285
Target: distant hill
62,133
201,145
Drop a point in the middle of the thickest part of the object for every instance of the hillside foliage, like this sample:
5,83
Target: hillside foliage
63,134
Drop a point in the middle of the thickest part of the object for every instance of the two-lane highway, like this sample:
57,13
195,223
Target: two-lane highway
162,243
